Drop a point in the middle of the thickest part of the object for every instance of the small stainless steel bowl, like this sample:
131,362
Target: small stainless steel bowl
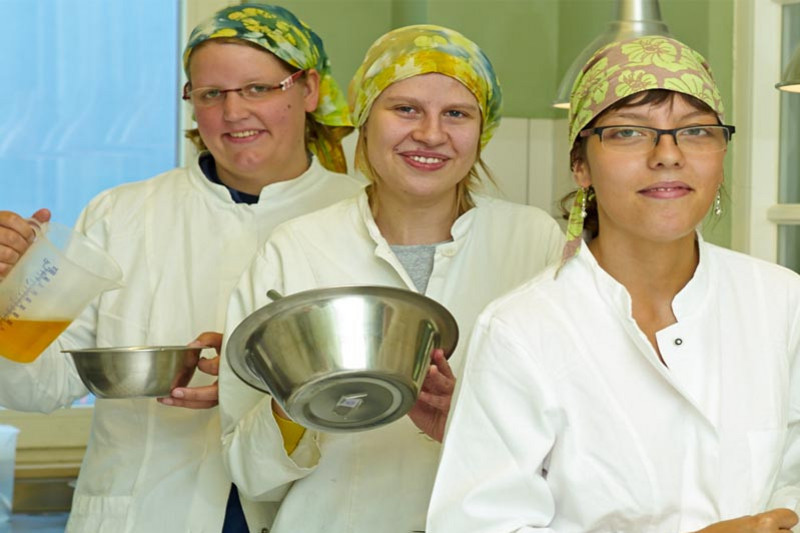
135,371
344,358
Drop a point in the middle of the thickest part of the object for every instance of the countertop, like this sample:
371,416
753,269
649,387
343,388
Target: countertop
35,523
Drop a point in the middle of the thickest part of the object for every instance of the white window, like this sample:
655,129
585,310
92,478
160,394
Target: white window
91,95
766,193
788,211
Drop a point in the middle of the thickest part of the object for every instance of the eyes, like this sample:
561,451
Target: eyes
690,131
250,91
625,133
257,89
698,131
411,111
209,95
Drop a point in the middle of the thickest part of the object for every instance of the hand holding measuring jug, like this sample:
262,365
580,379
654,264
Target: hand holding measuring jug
47,282
16,235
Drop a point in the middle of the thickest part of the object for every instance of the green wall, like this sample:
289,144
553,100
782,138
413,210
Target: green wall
530,42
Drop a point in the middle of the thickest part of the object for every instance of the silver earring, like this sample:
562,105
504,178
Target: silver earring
583,202
718,204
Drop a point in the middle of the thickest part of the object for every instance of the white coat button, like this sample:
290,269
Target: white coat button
449,252
678,341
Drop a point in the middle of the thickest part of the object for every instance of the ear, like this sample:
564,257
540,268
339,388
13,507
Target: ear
311,90
581,173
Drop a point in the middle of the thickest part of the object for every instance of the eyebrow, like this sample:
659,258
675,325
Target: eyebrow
643,116
409,100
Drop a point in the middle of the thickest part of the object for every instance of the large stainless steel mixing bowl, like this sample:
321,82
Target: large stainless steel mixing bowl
136,371
345,358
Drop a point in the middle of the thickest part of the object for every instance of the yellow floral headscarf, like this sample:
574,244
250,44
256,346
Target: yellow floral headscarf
423,49
623,68
278,31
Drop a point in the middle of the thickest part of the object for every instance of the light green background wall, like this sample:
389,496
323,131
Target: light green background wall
530,42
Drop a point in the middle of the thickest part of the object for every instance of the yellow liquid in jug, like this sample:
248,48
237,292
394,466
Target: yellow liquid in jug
24,340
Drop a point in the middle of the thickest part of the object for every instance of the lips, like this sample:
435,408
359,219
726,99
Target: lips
243,135
425,160
666,190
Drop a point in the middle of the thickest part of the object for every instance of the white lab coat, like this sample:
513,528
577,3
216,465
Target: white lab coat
568,422
378,480
182,244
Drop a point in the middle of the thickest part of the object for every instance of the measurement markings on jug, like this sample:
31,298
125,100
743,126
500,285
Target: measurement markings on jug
33,284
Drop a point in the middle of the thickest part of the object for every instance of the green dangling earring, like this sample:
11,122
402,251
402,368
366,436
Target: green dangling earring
577,215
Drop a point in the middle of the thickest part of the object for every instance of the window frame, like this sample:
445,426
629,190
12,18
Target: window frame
757,214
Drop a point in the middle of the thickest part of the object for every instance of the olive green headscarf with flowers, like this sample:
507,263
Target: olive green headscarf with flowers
423,49
278,31
624,68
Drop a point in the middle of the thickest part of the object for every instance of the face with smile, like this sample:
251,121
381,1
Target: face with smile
253,143
422,138
658,196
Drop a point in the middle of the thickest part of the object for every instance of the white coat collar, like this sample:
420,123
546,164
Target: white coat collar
459,231
688,301
273,194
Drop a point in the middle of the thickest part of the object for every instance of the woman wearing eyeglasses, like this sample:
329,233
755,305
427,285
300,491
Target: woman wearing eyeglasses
651,381
269,121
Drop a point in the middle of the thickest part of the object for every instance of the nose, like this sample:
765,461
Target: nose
666,153
234,107
430,131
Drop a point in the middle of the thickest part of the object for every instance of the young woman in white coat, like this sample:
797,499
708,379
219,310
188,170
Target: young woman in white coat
426,101
651,383
269,119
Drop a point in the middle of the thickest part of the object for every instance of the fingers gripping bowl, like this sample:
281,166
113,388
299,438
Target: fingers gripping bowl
344,358
136,371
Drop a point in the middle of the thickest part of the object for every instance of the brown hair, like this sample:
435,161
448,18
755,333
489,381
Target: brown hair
652,97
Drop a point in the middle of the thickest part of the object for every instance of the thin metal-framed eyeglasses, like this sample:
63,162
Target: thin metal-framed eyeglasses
701,138
252,92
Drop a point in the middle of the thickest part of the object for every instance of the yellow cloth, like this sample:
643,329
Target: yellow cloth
290,431
422,49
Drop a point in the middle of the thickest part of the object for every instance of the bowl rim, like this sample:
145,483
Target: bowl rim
132,349
237,342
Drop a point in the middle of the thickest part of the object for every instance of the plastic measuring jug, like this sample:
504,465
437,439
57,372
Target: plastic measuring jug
54,280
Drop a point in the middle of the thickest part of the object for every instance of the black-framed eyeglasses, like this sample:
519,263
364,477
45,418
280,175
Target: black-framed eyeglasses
701,138
252,92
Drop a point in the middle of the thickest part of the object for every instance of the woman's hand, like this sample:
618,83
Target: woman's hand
433,404
16,235
200,397
766,522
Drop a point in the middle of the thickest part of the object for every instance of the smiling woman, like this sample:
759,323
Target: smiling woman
636,170
422,138
545,436
153,465
255,140
426,101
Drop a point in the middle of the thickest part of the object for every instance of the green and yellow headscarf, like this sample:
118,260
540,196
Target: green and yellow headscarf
424,49
278,31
